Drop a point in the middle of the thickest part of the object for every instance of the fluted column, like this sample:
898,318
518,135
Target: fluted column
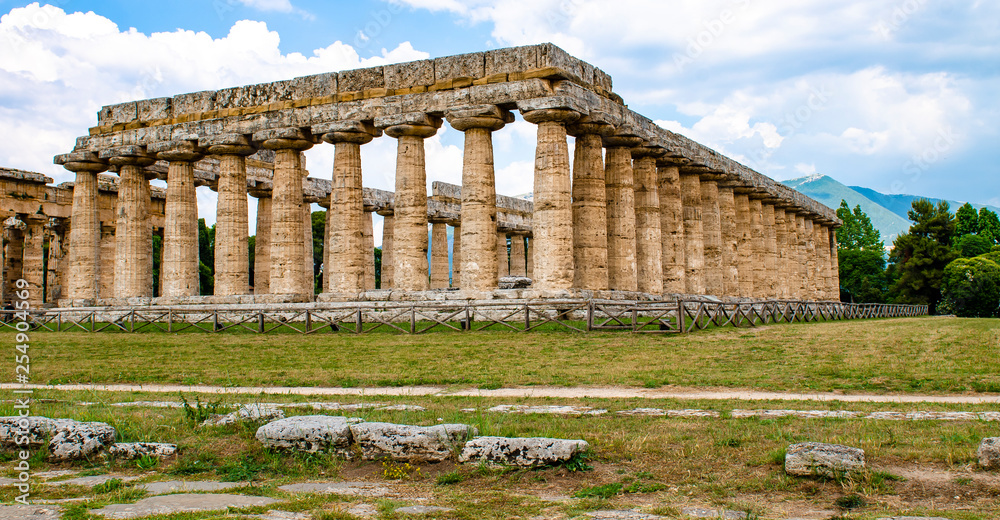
694,245
744,248
529,257
388,232
56,261
671,226
730,241
478,265
410,228
308,260
108,261
712,226
133,234
503,255
590,221
287,243
620,182
822,261
648,236
456,256
781,241
518,259
369,252
439,255
262,244
802,251
794,259
179,268
33,255
232,226
552,220
771,251
85,226
811,261
834,265
760,286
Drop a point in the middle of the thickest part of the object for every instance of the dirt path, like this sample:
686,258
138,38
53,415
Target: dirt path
534,391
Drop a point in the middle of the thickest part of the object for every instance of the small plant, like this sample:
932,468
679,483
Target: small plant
147,462
602,491
392,470
447,479
200,411
109,486
578,462
245,469
777,457
729,442
852,501
644,487
963,481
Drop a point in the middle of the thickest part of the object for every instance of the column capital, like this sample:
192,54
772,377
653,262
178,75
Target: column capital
648,150
81,162
358,132
490,117
226,144
551,115
596,122
671,161
178,150
418,124
289,138
129,155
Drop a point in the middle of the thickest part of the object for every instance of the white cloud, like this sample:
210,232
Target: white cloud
281,6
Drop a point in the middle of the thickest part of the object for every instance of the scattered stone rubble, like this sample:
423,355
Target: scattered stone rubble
989,453
247,413
524,452
70,440
810,459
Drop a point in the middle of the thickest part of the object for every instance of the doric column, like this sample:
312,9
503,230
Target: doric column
671,226
590,206
33,258
794,261
811,260
730,241
287,233
822,261
179,268
232,226
345,267
456,256
781,241
56,264
518,264
802,251
478,267
388,232
771,250
262,244
744,248
712,228
369,251
648,236
439,255
108,261
503,255
552,220
694,245
760,285
834,265
410,228
529,258
85,226
620,183
133,234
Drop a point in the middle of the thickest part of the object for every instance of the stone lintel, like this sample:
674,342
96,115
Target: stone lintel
409,119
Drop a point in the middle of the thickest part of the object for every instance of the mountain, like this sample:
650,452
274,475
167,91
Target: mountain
830,192
900,204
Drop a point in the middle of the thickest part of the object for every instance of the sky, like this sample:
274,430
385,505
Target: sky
895,95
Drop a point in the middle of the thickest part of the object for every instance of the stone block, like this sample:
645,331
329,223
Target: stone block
989,453
192,102
118,114
253,95
525,452
511,59
318,85
78,441
408,443
361,79
153,109
471,65
603,79
810,459
247,413
551,56
310,433
135,450
406,75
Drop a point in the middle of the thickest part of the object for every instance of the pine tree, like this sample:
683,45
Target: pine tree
966,221
921,255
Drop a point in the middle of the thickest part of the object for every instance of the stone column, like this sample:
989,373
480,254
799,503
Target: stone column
56,263
712,227
771,251
344,270
823,261
744,248
85,227
648,236
179,269
232,226
410,228
730,241
388,230
478,267
308,261
620,182
590,206
760,285
456,256
694,245
369,250
503,255
781,241
834,265
439,255
518,264
811,260
287,243
133,234
794,259
552,220
671,226
32,265
108,249
802,250
529,258
262,244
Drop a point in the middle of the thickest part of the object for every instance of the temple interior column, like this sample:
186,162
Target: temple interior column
503,255
262,244
590,206
33,263
179,268
439,255
410,226
760,286
369,250
744,248
620,187
730,241
388,265
648,236
552,220
308,260
694,245
529,257
771,254
518,264
83,281
712,227
56,262
133,234
478,264
108,262
671,226
456,255
232,227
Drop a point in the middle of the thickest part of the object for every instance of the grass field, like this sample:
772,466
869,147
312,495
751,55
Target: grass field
925,355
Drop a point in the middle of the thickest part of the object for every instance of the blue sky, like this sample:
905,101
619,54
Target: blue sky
896,95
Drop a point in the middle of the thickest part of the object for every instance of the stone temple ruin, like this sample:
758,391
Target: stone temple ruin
644,214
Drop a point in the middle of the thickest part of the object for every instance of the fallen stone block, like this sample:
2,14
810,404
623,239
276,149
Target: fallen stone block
525,452
33,431
989,453
405,443
136,450
80,441
247,413
310,433
817,459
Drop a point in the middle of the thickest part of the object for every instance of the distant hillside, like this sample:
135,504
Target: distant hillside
830,192
900,204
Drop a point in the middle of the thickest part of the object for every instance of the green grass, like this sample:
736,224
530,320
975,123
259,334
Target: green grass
916,355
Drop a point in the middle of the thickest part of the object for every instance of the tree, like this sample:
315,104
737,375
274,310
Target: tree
966,221
921,254
971,288
857,231
970,246
319,230
206,257
862,276
989,225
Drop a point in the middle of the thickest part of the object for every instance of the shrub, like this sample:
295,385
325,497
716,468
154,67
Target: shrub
973,245
971,287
